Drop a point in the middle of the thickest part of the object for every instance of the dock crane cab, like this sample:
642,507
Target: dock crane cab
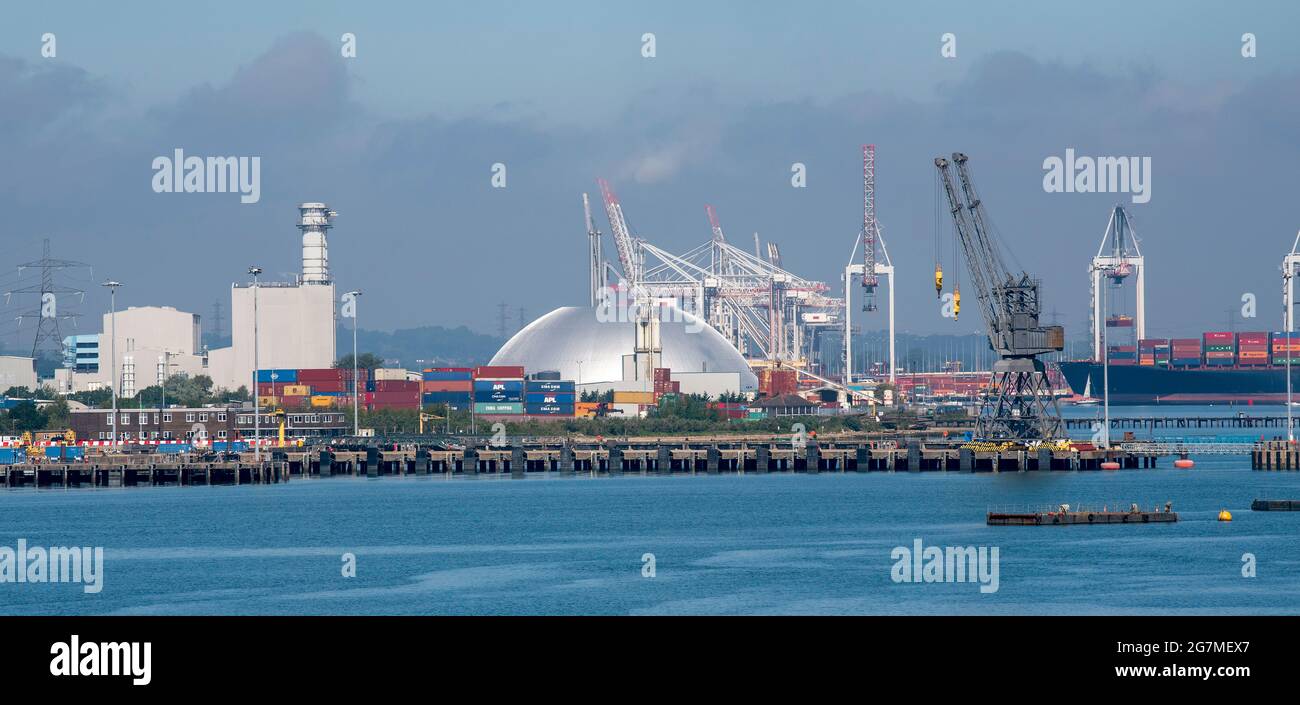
938,281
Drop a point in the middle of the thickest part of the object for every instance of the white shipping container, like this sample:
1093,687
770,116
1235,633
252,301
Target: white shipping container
390,374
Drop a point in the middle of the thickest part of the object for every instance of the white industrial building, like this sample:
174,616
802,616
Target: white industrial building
17,372
295,320
152,342
295,329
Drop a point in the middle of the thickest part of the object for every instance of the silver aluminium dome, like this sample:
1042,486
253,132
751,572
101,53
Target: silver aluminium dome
567,335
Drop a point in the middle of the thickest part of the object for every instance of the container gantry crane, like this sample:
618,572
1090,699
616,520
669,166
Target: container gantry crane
1118,257
1020,404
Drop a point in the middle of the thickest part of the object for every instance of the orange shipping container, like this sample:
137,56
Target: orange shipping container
634,397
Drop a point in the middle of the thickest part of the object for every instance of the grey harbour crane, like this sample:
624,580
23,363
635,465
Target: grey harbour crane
1020,404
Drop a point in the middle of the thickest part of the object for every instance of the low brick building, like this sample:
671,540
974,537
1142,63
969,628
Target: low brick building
206,423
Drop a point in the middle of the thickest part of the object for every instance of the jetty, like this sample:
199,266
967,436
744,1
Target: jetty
531,457
1275,505
1063,515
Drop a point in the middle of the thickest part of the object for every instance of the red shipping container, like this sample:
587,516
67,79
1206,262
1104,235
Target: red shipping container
498,372
332,386
294,402
392,385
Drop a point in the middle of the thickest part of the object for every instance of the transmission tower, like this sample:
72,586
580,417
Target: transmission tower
501,319
47,311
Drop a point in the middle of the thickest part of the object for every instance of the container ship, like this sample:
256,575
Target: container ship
1217,368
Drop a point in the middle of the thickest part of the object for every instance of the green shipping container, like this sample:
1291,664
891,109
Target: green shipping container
499,407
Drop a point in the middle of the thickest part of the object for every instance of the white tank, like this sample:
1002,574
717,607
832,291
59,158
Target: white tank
314,221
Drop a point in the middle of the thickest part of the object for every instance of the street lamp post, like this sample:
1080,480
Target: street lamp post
167,365
356,394
112,317
257,402
1287,275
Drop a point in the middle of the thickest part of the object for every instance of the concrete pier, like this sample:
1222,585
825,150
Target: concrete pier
711,456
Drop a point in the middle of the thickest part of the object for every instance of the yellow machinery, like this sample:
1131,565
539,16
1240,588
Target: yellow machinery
938,281
280,418
428,417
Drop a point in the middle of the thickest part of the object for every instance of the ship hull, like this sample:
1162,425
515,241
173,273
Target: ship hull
1147,384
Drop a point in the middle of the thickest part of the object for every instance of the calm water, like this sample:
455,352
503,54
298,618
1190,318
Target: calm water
775,544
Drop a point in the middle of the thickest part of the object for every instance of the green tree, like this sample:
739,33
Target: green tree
367,361
26,417
96,399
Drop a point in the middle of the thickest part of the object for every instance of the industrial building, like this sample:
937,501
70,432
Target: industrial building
81,353
202,424
152,343
295,320
17,372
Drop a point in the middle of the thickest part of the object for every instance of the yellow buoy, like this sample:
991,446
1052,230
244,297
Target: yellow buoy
1225,515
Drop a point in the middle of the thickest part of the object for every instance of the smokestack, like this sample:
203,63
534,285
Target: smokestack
314,220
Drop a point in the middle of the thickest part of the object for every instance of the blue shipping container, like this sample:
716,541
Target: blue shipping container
9,456
549,409
499,385
550,398
551,386
277,376
449,376
65,452
445,398
498,397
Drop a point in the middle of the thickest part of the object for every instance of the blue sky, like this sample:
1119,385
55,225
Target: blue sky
401,138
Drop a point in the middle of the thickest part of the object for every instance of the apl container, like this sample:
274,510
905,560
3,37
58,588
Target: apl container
549,409
550,398
551,386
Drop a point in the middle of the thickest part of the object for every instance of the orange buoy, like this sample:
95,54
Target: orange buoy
1110,465
1183,463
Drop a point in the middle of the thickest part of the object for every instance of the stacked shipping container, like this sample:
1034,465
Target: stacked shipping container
499,390
1286,348
550,398
1185,352
1252,349
1220,348
1122,354
453,386
1153,351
